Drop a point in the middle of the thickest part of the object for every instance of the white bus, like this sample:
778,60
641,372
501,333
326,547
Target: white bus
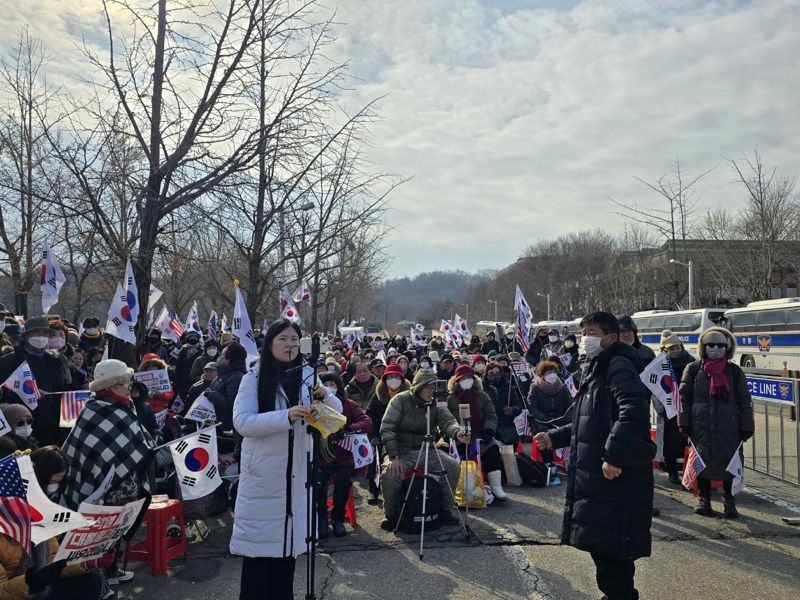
686,324
767,333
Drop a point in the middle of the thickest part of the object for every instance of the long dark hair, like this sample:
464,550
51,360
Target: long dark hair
269,375
48,461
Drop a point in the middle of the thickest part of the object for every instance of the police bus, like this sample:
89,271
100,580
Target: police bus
767,333
686,324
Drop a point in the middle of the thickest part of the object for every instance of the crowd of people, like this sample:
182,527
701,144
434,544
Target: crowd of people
384,386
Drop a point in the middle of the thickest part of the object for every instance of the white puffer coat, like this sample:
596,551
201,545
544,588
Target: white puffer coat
265,523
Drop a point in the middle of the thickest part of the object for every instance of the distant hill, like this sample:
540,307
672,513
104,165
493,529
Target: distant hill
427,297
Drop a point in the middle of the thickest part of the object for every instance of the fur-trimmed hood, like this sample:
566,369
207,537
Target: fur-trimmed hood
701,347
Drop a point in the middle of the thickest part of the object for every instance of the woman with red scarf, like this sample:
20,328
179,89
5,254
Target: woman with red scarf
466,388
549,401
716,414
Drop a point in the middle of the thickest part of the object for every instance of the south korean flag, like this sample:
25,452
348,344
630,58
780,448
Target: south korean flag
195,458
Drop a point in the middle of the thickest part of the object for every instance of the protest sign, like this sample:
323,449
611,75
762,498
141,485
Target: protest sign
156,381
110,523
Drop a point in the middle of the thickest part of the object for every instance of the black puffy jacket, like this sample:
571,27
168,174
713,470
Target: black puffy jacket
611,423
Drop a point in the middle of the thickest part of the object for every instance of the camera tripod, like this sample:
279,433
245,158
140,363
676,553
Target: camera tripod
426,447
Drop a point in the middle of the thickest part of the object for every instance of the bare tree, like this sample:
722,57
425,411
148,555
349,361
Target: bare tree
674,221
24,95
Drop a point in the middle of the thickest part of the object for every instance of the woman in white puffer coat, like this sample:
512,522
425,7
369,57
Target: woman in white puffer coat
270,410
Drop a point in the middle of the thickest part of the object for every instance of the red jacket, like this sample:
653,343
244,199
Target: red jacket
357,421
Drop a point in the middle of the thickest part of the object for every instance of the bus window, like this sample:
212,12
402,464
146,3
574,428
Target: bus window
643,323
772,320
656,323
793,317
742,321
673,322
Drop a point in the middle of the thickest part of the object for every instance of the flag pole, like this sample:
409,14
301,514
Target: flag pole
183,437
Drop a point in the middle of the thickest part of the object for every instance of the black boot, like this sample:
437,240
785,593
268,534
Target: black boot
322,526
729,504
703,507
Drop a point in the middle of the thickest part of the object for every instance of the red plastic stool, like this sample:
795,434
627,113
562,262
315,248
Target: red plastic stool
656,463
350,507
157,549
715,483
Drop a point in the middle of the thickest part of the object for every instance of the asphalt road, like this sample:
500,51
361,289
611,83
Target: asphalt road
514,553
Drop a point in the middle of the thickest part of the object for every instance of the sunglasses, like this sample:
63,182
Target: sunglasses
716,345
23,422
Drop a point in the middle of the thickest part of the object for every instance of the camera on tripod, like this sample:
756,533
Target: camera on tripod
441,390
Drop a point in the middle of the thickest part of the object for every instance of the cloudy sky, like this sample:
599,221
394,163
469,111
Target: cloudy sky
518,119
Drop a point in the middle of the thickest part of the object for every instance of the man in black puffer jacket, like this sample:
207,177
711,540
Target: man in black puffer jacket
610,477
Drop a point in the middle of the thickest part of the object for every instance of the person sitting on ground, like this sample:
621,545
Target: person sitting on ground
337,462
549,401
20,419
209,375
361,388
31,572
391,384
231,367
403,429
466,388
506,400
158,401
108,437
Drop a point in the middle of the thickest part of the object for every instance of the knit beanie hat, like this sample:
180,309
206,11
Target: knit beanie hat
464,372
393,370
107,372
669,339
478,358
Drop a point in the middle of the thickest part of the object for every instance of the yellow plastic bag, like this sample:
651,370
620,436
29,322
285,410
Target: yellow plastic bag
325,419
469,491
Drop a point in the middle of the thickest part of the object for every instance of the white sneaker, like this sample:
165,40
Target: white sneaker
120,577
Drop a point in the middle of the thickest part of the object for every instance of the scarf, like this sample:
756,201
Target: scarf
109,395
715,369
290,379
551,389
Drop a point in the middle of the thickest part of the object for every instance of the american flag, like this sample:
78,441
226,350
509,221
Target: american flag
72,404
522,424
15,514
694,466
175,324
347,442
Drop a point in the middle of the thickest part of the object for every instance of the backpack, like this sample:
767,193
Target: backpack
411,521
533,473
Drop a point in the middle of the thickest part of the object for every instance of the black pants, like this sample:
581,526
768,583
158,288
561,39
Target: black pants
81,587
704,487
341,490
266,578
615,577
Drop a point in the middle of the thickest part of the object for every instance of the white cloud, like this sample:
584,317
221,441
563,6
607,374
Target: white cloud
517,124
517,118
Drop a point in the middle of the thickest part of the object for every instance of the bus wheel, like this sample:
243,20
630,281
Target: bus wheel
749,362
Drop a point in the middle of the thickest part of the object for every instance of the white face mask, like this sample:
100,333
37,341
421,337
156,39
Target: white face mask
53,489
212,351
551,377
479,367
509,337
714,353
466,384
91,330
39,342
56,343
553,338
591,346
25,431
393,383
569,344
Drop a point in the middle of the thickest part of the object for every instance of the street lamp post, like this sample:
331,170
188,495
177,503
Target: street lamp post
467,305
495,309
689,266
548,302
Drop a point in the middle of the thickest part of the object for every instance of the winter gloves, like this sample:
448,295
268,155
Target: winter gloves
39,579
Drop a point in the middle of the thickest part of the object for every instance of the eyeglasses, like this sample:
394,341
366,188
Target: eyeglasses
716,345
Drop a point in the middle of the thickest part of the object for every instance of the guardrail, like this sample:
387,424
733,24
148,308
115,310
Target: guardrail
773,450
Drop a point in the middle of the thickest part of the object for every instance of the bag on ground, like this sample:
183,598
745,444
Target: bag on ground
510,467
533,473
469,491
411,521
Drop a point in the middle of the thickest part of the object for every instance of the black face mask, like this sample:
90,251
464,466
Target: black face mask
494,377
